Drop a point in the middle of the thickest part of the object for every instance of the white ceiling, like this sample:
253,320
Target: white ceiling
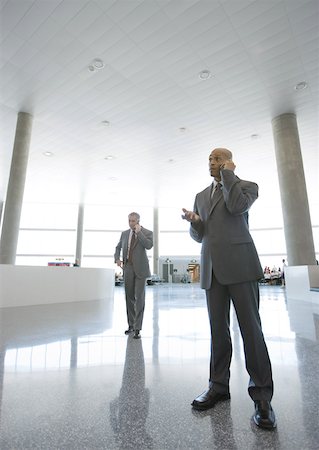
149,89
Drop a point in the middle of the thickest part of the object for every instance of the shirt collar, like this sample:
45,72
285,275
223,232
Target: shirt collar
215,182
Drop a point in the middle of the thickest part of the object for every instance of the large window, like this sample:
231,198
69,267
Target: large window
48,232
102,231
47,242
49,216
177,243
269,241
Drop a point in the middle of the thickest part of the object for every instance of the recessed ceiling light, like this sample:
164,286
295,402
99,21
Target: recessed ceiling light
98,63
112,178
300,86
91,68
105,123
171,160
204,74
47,153
182,130
109,157
255,136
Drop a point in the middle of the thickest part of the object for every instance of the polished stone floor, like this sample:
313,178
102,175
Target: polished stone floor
71,379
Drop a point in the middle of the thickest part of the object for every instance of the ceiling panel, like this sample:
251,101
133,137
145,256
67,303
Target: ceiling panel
164,120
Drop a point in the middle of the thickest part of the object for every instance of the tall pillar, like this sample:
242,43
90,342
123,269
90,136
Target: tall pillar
14,199
155,240
79,235
2,358
1,208
293,191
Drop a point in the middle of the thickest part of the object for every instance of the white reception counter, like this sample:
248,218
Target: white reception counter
33,285
302,283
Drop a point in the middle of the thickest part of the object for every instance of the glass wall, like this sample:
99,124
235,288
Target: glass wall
103,226
48,233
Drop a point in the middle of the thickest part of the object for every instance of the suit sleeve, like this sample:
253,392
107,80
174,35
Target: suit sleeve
238,195
145,237
196,230
118,248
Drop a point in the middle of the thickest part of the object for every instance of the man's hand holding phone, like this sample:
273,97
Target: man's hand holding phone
137,228
228,164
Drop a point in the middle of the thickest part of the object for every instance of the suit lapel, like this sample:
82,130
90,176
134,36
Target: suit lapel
125,244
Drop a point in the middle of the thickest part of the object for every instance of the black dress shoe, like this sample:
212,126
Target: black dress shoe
208,399
137,334
129,330
264,416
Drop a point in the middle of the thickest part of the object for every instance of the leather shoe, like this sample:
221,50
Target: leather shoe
137,334
208,399
129,330
264,416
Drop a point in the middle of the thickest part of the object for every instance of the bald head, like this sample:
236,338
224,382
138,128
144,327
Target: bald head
223,151
218,158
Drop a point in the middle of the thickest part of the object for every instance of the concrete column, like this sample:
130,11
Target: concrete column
293,191
155,240
1,208
14,199
79,235
2,358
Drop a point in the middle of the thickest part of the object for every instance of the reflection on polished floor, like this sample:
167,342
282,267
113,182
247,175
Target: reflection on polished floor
71,379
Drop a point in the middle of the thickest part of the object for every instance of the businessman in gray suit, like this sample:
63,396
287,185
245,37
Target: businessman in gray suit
133,244
230,270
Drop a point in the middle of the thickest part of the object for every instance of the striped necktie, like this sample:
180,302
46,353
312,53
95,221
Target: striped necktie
216,194
132,245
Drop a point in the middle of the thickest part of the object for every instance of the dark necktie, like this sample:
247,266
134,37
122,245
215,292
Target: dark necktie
132,245
217,194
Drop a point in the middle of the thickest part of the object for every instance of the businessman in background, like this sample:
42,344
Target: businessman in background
133,244
230,270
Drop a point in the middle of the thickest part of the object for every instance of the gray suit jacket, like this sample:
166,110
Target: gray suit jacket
140,262
227,246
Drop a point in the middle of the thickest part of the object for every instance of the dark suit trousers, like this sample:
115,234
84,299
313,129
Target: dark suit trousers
135,297
245,297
